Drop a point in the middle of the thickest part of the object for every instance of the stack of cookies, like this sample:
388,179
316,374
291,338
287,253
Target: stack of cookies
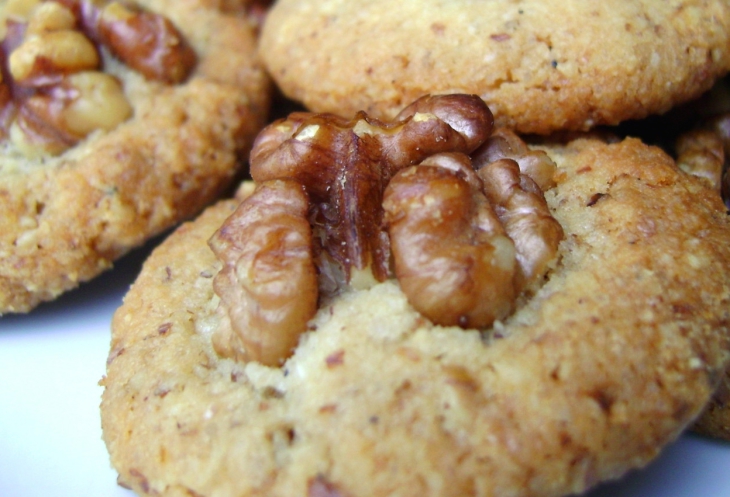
489,255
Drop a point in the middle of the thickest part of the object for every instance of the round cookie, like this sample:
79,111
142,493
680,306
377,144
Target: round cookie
607,363
540,66
67,217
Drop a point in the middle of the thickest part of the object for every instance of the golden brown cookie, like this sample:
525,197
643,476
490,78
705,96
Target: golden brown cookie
540,66
592,375
102,152
705,152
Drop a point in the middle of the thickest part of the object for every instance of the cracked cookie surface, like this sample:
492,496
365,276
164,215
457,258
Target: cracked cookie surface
607,363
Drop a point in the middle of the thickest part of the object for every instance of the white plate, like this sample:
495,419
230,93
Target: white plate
50,437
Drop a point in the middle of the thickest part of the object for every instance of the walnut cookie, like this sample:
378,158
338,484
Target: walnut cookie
118,121
705,152
600,360
541,66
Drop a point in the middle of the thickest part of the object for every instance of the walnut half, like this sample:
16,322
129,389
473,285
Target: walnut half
400,199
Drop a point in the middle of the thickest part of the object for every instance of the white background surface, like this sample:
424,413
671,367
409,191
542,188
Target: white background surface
50,436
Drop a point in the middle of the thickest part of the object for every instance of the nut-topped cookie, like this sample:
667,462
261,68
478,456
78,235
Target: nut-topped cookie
540,65
705,152
258,354
117,120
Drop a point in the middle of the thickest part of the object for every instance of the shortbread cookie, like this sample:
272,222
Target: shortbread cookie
159,130
541,66
591,375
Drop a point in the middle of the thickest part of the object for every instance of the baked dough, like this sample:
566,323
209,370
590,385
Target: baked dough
540,66
65,219
605,365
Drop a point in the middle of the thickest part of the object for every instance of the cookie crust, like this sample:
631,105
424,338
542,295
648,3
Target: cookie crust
540,66
65,219
607,363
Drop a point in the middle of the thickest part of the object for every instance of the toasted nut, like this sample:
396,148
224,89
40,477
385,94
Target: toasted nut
20,9
366,201
345,166
701,153
468,115
268,284
50,16
51,54
455,268
33,135
63,114
147,42
505,144
98,103
521,208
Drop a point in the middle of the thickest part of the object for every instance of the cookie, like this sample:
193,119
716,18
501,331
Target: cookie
715,420
593,372
101,152
540,66
705,152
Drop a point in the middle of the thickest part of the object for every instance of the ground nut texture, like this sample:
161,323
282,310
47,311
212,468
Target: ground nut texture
540,65
614,355
64,219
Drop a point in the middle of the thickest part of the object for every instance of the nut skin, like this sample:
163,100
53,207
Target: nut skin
505,144
44,57
701,153
98,103
452,259
521,208
50,16
704,151
268,284
345,166
147,42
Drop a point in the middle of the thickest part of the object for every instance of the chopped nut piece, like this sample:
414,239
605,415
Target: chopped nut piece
63,114
268,284
701,153
505,144
34,137
521,208
145,41
98,103
455,268
20,9
50,16
51,55
705,152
